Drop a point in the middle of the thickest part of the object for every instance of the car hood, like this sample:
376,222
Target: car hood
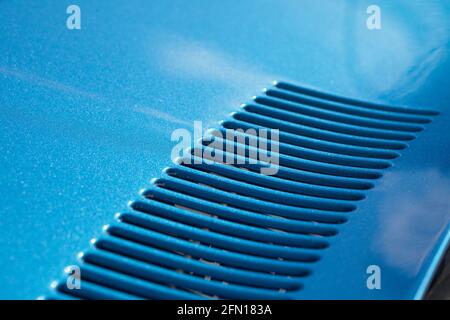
87,116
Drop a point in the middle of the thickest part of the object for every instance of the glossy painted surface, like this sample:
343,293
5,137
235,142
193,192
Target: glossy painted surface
86,118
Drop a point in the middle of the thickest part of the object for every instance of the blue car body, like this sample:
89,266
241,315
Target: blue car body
87,115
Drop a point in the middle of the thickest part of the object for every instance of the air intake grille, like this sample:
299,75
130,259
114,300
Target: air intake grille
227,231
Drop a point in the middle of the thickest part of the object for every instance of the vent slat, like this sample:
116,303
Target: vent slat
117,279
317,133
197,266
359,103
222,226
273,182
245,202
95,291
299,164
317,144
219,240
312,225
306,153
328,125
124,269
242,148
336,116
261,193
198,250
312,178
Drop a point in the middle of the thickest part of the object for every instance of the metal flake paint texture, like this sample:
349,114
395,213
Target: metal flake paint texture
86,118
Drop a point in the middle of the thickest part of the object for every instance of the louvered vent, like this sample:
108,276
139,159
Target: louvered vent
227,231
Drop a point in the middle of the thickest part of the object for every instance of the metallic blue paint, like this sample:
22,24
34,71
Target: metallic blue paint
86,117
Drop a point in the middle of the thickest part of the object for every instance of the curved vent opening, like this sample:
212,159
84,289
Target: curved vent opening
225,230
